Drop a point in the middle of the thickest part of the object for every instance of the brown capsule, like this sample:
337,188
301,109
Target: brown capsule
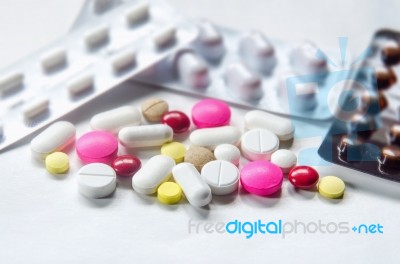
363,126
391,53
373,103
395,135
385,78
349,149
390,157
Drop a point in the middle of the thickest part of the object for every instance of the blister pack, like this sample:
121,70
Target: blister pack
367,139
93,58
250,70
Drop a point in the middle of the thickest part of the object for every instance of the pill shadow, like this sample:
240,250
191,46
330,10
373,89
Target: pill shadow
225,199
124,182
330,201
145,199
199,213
287,144
257,200
302,194
97,202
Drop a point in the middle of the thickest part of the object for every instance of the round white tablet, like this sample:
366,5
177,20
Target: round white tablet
284,159
96,180
227,152
259,144
222,177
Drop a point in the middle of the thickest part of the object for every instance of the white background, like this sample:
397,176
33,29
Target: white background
43,218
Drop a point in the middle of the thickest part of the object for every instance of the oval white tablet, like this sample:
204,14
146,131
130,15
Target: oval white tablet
304,59
228,152
212,137
145,136
222,177
164,36
280,126
211,42
285,159
97,36
259,144
156,171
138,13
35,107
123,60
10,82
114,120
54,58
57,137
196,190
192,70
96,180
80,84
242,82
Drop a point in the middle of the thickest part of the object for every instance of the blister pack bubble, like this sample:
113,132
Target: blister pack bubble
368,138
248,69
94,57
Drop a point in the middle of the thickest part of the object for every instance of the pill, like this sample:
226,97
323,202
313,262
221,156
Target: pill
175,150
349,149
304,97
126,165
138,13
57,137
192,70
156,171
96,180
331,187
198,156
211,113
212,137
211,42
304,59
385,78
80,84
395,134
169,193
243,82
35,107
390,158
258,52
114,120
282,127
164,36
196,190
257,144
97,147
145,136
54,58
123,60
391,53
284,159
97,36
227,152
153,109
222,177
373,103
303,177
364,126
11,82
177,120
261,177
57,163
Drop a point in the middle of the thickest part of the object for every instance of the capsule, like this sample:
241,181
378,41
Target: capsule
211,42
304,60
192,70
114,120
212,137
145,136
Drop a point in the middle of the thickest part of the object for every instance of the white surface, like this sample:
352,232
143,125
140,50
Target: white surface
44,219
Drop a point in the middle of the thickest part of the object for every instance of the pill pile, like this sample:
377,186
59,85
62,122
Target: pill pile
209,166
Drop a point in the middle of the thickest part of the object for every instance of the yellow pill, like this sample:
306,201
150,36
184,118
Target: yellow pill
174,150
169,193
57,163
331,187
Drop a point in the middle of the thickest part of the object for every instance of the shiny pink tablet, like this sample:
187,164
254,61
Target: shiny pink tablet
97,146
261,177
211,113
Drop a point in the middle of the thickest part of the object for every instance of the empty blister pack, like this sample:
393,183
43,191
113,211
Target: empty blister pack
251,70
367,138
93,58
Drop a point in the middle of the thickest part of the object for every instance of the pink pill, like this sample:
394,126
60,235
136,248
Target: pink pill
261,177
97,146
211,113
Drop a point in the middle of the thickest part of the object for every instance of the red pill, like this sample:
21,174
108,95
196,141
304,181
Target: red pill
126,165
303,177
177,120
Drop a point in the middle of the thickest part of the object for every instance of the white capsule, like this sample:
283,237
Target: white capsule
96,180
284,159
97,36
282,127
228,153
114,120
222,177
304,59
53,59
156,171
138,13
210,40
259,144
11,82
57,137
145,136
196,190
258,52
35,107
212,137
123,60
243,82
164,36
80,84
304,97
192,70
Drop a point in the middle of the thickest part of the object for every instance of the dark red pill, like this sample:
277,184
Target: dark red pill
177,120
303,177
126,165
